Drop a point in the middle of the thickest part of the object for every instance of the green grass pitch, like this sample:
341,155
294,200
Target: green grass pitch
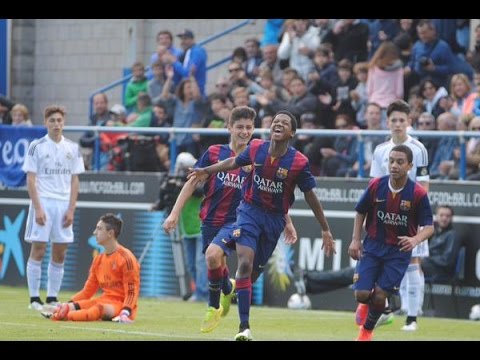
173,320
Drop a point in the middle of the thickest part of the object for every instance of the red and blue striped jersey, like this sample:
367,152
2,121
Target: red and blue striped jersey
390,215
272,182
223,191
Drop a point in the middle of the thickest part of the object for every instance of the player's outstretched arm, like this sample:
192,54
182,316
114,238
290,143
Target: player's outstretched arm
202,174
355,248
188,189
316,206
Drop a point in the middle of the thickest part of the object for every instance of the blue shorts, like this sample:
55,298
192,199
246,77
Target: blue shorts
209,233
381,265
259,230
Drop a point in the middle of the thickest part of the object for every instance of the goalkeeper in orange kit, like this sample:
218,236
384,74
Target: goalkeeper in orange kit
116,272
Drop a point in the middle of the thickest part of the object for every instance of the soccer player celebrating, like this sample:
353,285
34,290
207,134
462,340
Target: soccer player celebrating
267,195
394,207
52,164
218,212
116,272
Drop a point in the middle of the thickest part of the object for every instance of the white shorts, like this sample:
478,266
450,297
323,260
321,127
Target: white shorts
421,250
53,229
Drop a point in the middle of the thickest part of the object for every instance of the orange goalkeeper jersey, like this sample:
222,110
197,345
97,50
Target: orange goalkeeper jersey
117,274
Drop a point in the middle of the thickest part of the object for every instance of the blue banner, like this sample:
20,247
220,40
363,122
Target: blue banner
14,142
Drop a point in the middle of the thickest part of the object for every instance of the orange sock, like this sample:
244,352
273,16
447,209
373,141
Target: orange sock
91,314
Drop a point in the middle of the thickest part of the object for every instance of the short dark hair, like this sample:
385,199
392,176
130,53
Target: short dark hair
293,119
398,105
242,112
112,222
404,149
445,207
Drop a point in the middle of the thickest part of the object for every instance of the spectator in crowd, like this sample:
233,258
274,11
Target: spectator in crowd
432,95
301,102
164,44
254,58
188,110
373,115
359,95
239,55
137,84
272,63
338,161
444,148
342,88
462,95
272,32
142,117
474,56
155,86
298,44
443,246
385,77
303,142
323,26
382,30
5,106
20,116
325,70
431,57
348,39
426,122
193,60
100,117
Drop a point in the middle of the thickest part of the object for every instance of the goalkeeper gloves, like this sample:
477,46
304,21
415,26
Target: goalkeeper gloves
123,317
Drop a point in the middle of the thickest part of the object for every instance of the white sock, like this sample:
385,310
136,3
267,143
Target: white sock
55,277
404,293
34,274
413,273
422,290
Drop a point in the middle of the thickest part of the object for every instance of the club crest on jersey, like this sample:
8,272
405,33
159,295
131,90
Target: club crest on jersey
405,205
282,173
247,168
424,172
236,233
68,156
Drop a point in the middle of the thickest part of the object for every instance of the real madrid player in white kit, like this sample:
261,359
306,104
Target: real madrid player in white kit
398,121
52,165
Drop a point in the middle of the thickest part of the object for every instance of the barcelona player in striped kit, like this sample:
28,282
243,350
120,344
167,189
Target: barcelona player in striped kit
268,193
218,212
394,207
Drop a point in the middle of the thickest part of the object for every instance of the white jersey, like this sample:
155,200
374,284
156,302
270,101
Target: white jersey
54,164
419,171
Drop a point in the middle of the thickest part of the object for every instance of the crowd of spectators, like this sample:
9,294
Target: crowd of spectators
330,73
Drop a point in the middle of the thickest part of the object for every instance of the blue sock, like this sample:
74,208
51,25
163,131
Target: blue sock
244,297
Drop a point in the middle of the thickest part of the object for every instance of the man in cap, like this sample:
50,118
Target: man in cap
192,62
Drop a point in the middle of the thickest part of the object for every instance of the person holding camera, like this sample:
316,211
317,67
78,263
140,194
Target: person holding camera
431,56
